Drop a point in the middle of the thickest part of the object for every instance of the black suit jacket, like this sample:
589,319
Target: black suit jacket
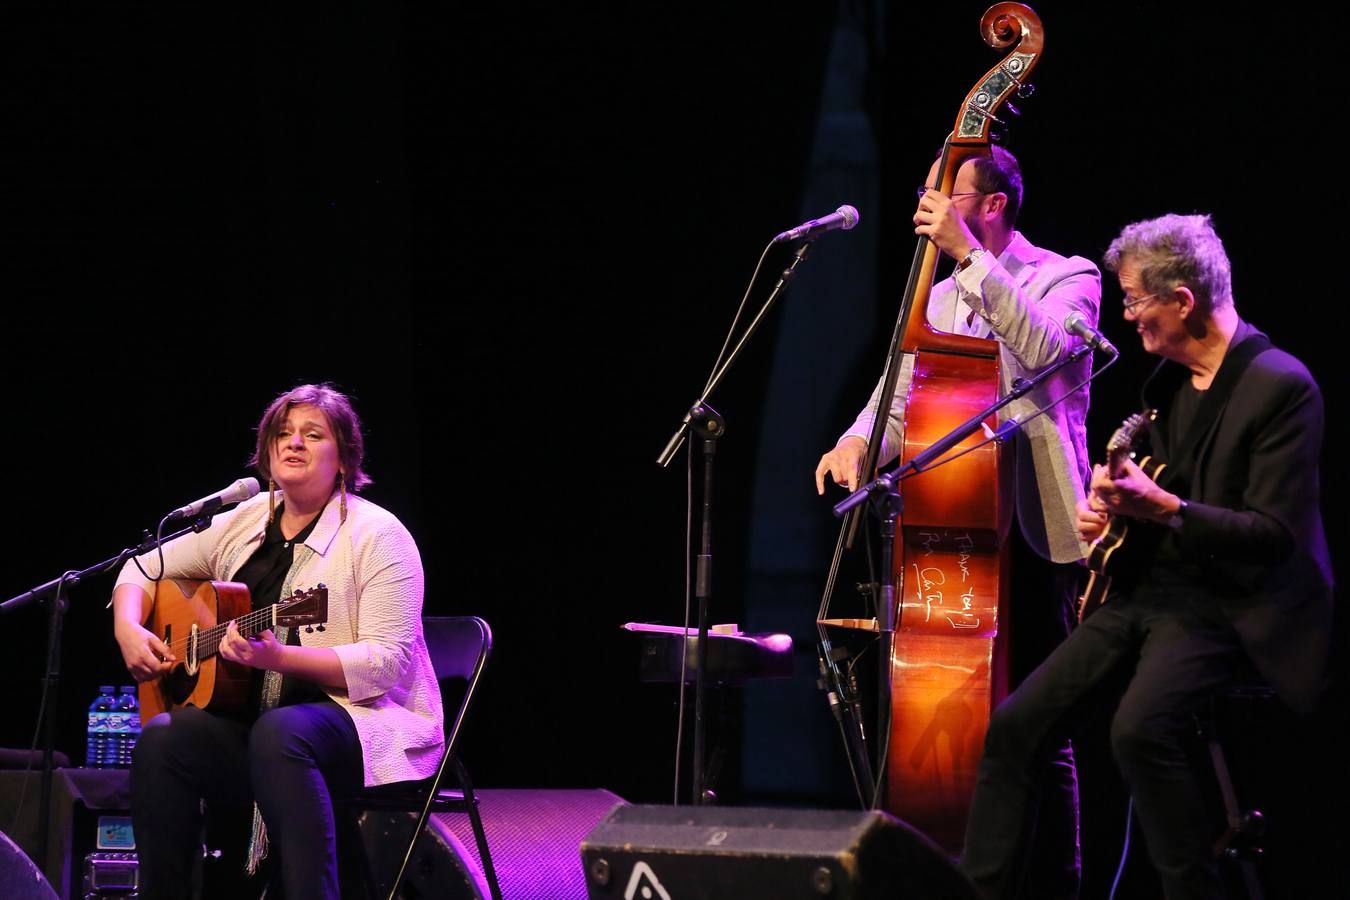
1254,523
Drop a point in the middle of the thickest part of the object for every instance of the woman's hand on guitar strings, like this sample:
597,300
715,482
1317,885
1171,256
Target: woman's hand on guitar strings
261,651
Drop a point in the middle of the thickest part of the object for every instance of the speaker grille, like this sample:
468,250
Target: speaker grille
534,837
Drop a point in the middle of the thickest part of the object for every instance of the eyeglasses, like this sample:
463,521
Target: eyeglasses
1129,306
923,189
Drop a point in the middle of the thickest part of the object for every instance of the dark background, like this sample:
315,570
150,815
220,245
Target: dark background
516,237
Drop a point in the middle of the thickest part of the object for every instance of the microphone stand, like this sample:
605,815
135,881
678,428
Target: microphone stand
52,673
710,426
885,495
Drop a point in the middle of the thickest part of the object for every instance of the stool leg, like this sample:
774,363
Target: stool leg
1239,823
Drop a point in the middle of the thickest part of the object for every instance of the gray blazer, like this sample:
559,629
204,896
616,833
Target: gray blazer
1021,299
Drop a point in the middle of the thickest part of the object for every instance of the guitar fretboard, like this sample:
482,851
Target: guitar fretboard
209,639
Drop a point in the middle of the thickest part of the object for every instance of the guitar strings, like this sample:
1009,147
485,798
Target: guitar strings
209,639
212,636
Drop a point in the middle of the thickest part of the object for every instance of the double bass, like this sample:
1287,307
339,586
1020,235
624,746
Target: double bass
947,663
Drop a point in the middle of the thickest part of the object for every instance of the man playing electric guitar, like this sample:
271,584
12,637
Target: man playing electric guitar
1106,558
1240,577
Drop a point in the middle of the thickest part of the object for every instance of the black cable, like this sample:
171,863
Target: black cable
688,593
159,546
1124,849
737,318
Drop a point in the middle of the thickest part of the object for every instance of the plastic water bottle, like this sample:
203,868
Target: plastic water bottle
96,744
126,726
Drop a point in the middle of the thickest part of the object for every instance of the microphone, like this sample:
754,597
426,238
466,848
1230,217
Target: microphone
1076,323
844,218
238,492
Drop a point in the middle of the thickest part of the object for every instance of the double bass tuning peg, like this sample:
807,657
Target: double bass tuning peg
1026,90
1012,110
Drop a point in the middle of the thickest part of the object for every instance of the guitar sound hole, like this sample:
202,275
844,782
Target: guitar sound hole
178,685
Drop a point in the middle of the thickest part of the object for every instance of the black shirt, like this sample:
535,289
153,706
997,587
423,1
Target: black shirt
1170,566
265,574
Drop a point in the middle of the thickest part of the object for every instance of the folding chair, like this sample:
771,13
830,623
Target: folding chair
459,649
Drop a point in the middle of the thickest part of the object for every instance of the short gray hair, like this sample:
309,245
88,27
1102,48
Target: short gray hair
1173,250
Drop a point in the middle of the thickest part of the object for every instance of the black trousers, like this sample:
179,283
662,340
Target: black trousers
291,760
1043,597
1182,649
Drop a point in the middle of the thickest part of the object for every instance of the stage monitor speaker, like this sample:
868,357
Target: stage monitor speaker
531,834
19,878
440,865
678,852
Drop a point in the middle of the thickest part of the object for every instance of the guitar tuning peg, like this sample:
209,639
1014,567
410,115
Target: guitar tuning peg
1012,110
321,628
309,629
1025,90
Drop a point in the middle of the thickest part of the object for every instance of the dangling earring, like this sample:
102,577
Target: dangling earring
342,497
271,501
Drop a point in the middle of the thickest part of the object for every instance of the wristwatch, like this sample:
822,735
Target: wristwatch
970,259
1174,522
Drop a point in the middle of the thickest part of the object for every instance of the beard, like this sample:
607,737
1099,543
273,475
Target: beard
977,227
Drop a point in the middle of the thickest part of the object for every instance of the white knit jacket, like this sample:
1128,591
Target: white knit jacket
373,573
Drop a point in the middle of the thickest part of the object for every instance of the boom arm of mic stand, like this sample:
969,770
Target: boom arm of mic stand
1021,387
70,579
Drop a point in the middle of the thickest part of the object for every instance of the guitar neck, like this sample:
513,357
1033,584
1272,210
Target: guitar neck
256,622
1115,461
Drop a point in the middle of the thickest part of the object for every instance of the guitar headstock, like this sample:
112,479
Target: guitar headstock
303,608
1126,438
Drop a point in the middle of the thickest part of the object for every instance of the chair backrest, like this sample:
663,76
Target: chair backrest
459,647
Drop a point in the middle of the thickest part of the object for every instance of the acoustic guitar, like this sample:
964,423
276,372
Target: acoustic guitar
1105,558
191,617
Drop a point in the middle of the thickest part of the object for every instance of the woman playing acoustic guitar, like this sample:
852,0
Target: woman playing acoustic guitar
330,707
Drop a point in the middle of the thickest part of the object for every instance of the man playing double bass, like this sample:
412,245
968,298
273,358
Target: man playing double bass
1239,576
1006,289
